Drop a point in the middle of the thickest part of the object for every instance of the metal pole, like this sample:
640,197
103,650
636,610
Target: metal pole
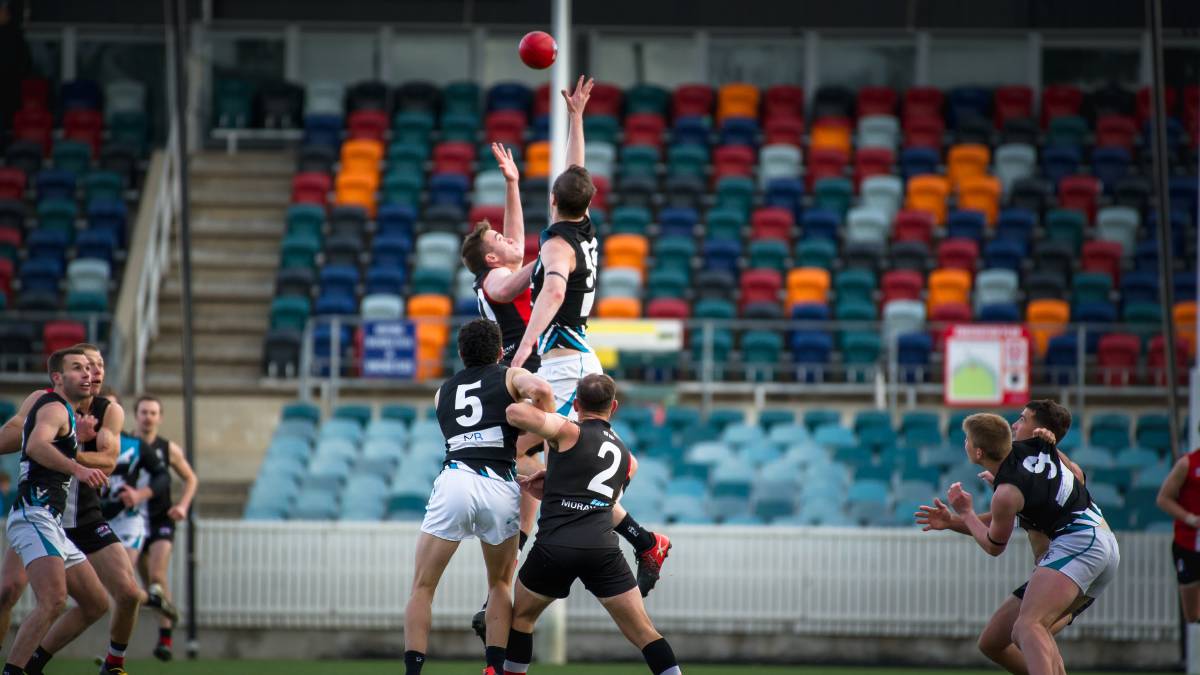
560,79
1162,197
176,16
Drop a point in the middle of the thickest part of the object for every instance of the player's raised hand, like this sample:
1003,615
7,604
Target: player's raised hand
577,99
508,166
936,517
1045,435
959,499
987,477
85,428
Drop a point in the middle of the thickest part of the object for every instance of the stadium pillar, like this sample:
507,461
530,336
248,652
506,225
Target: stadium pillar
176,27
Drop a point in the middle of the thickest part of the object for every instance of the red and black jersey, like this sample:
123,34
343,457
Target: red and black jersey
512,317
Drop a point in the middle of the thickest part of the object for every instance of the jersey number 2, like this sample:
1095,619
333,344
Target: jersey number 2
461,401
597,485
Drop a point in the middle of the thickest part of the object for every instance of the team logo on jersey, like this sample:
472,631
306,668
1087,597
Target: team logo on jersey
103,530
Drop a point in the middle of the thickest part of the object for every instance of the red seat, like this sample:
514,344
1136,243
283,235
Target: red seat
603,189
668,308
825,163
311,188
454,157
783,100
1156,360
6,276
732,160
960,254
58,335
367,124
34,124
35,93
923,131
1104,257
12,184
872,162
923,102
901,285
913,225
1012,103
772,223
691,100
505,126
1145,106
494,214
541,100
784,129
1060,100
645,129
86,126
760,286
1079,193
876,101
1116,130
606,100
10,237
950,312
1191,101
1117,355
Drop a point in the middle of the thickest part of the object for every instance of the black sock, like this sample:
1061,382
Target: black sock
519,653
494,656
38,661
659,657
10,669
521,541
635,534
413,661
164,635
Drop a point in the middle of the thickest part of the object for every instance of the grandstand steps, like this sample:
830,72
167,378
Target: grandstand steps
222,499
218,348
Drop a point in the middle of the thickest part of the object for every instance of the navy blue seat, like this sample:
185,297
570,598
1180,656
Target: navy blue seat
1183,191
1094,313
677,222
810,311
912,355
323,130
821,223
539,130
1185,286
966,102
41,274
388,279
690,130
339,280
1016,224
111,215
466,306
1060,161
1003,253
55,184
84,94
1139,286
810,353
448,188
786,193
917,161
739,131
99,244
335,303
1145,256
1110,165
966,225
396,219
1062,359
47,244
1001,312
323,345
509,96
722,255
391,250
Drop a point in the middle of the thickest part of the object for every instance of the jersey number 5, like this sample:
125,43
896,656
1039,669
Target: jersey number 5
462,401
590,258
597,485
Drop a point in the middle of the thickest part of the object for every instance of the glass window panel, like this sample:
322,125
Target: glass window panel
1091,67
46,54
978,62
253,58
867,63
338,57
438,57
1181,66
141,60
667,61
758,61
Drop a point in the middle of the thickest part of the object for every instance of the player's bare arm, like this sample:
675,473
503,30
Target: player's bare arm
550,426
10,433
108,441
992,537
504,285
523,384
190,482
514,216
558,258
1168,495
577,100
52,422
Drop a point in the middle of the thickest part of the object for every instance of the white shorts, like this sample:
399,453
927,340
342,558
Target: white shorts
34,532
465,504
1089,556
130,528
563,373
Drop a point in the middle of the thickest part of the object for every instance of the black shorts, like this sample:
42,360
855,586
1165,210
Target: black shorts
550,570
93,536
1187,564
162,528
1020,593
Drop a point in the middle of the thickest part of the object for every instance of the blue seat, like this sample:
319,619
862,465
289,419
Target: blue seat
1183,191
1185,286
810,311
722,255
323,130
1062,359
509,96
834,436
786,193
339,280
396,219
869,491
1136,458
1139,286
1110,165
966,225
912,355
84,94
690,130
1059,162
391,250
448,188
820,223
335,303
1153,432
41,274
1094,313
1015,224
811,353
385,280
55,184
111,215
47,244
1000,312
739,131
963,103
1003,254
677,222
918,161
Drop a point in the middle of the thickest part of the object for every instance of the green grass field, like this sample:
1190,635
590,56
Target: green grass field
461,668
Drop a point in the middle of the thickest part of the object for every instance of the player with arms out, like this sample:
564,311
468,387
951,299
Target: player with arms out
476,494
586,466
1034,483
163,514
1179,497
564,290
53,564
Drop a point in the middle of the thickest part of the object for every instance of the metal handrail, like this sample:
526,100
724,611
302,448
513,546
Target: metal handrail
157,263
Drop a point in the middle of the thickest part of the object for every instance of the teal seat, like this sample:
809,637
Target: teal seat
398,412
872,419
736,192
856,284
817,252
402,188
103,185
434,280
354,411
687,160
87,302
459,127
461,98
299,251
674,254
630,220
860,347
601,129
724,223
647,98
73,156
761,348
1109,430
305,220
834,194
1153,432
403,152
130,129
233,103
412,126
722,345
816,418
1066,225
1091,287
639,160
300,410
290,312
768,254
666,283
57,214
1067,130
854,309
712,308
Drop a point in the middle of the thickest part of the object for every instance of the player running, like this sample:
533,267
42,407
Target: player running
1179,497
476,494
138,477
53,564
160,528
1032,482
564,290
586,466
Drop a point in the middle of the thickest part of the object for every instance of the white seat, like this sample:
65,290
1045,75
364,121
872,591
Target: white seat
620,282
1014,161
867,223
88,275
124,96
878,131
324,98
994,286
382,307
464,284
438,249
883,192
778,161
903,316
1119,224
490,188
600,158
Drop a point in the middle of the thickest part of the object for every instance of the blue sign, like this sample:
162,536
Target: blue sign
389,349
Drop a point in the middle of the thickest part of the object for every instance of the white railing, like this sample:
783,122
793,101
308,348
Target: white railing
722,580
157,261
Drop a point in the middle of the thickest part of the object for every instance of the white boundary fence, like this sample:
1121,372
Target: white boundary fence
722,580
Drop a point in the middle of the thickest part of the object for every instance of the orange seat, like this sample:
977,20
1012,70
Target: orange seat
947,286
980,193
737,99
432,313
829,137
362,154
968,159
928,193
357,189
1184,315
537,159
808,284
626,250
1047,318
619,308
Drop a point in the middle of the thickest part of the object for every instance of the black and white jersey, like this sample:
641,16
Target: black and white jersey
568,328
160,503
1054,500
83,501
37,485
582,484
512,317
137,467
471,410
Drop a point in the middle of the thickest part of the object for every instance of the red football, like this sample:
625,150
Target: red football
538,50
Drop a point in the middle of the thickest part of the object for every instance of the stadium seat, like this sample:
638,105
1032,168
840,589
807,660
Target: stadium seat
1117,358
1118,224
883,191
808,285
948,285
928,193
966,160
867,223
980,193
1047,318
